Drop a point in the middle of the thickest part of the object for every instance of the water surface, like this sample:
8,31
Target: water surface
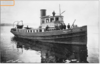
14,49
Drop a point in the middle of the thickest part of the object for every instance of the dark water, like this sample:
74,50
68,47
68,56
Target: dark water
14,49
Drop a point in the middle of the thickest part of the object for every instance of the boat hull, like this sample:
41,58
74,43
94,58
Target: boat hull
68,36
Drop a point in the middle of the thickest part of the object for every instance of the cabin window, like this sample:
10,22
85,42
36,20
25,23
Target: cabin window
27,30
35,30
57,18
42,30
61,18
32,31
51,19
42,21
47,20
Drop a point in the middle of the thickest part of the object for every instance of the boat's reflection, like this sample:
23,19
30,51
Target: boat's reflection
55,53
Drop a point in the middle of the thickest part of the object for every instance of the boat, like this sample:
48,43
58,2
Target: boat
53,29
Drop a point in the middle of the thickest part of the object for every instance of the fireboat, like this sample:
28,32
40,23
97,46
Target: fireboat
52,29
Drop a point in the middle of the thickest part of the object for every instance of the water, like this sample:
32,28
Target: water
18,50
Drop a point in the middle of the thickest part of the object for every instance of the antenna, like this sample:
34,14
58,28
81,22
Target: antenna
59,10
62,12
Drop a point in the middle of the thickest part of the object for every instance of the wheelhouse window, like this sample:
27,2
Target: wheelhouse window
61,18
43,21
57,19
47,20
51,19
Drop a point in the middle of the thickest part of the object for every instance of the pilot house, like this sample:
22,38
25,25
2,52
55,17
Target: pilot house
50,21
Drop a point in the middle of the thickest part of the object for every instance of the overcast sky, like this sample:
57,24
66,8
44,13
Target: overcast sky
29,11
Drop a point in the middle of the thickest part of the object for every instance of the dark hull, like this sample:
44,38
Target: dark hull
71,36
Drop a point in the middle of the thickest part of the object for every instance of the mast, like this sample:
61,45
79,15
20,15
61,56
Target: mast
59,10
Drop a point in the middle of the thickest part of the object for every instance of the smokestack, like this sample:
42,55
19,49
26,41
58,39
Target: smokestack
43,12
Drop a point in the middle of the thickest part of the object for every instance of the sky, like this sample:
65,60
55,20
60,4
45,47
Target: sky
85,13
29,11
